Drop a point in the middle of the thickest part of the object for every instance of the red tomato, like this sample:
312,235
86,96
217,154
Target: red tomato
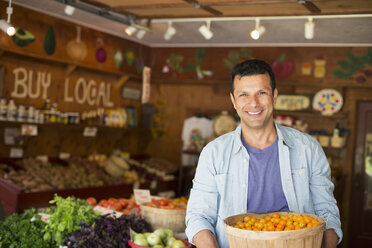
163,202
131,205
123,202
112,200
117,206
92,201
103,203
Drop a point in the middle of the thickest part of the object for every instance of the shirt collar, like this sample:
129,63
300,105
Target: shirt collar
282,136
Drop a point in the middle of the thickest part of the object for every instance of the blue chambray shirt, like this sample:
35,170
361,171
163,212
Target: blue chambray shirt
220,185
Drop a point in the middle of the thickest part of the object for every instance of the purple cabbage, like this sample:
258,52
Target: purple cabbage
107,232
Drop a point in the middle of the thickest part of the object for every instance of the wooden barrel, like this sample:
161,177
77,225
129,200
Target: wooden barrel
303,238
173,219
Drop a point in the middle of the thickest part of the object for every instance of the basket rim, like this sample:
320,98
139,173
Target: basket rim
162,210
274,235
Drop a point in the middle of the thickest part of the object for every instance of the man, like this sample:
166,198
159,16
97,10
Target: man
260,167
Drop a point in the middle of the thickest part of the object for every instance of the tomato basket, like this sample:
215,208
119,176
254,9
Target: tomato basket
304,238
131,244
173,219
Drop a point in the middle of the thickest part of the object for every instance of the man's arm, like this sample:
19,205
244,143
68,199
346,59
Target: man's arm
330,239
205,238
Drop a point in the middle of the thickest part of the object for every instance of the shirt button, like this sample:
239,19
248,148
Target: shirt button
244,160
243,185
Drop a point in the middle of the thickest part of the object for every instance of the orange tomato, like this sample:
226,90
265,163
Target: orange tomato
246,219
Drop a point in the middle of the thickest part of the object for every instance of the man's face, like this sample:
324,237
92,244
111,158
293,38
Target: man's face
253,100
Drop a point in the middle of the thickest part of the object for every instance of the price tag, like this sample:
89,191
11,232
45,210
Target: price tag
108,211
90,132
64,155
142,195
29,130
42,158
16,153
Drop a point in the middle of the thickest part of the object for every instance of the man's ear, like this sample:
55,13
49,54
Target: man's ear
232,99
275,96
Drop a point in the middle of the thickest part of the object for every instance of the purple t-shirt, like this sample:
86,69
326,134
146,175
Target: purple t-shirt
265,191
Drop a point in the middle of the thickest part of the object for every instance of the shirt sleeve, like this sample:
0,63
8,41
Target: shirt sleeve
202,205
321,188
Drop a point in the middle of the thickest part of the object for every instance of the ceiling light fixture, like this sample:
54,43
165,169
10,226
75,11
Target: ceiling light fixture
140,34
130,30
258,31
69,10
170,31
5,25
205,30
309,28
7,28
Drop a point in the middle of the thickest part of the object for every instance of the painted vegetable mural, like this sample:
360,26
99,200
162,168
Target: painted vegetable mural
50,42
76,49
360,68
282,67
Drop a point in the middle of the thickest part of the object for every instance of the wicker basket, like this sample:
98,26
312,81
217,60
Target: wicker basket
304,238
173,219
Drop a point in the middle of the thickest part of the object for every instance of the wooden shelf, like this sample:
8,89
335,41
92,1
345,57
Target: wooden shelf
313,114
65,126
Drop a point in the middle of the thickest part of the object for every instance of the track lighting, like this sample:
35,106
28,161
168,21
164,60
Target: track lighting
7,28
258,31
130,30
69,10
170,31
205,30
5,25
309,29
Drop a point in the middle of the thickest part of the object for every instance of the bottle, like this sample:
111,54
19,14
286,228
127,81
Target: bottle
3,109
12,111
31,114
21,115
46,110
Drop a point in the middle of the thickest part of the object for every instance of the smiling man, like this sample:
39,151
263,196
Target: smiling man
260,167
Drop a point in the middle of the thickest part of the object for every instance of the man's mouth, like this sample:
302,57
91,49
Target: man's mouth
251,113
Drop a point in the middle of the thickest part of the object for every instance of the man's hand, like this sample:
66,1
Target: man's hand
330,239
206,239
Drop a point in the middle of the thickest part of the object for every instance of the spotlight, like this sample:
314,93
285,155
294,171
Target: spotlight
69,10
7,28
170,31
130,30
140,34
205,30
258,31
309,29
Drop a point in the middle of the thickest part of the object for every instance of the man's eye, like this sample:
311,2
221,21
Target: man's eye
262,93
243,94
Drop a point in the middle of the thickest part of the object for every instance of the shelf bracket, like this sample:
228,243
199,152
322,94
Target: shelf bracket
123,79
70,68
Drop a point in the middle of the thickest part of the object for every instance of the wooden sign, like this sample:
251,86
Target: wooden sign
291,102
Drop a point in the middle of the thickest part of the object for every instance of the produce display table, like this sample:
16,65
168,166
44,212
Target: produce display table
15,200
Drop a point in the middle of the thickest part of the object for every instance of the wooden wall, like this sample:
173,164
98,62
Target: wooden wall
76,85
179,92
